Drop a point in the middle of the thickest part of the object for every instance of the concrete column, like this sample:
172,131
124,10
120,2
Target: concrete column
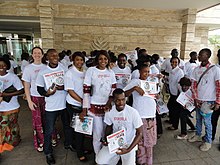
188,32
46,24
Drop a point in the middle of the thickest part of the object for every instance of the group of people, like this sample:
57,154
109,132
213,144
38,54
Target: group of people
111,92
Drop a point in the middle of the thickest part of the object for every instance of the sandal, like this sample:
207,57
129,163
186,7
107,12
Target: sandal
171,128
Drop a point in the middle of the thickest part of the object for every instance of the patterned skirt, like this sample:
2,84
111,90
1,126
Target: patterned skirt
148,140
9,130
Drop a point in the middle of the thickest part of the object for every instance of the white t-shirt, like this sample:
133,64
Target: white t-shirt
122,81
174,77
13,65
57,101
166,65
188,68
146,106
73,80
24,63
8,80
127,119
30,74
206,87
101,82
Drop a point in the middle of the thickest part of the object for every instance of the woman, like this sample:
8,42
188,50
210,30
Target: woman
35,101
99,83
10,88
73,82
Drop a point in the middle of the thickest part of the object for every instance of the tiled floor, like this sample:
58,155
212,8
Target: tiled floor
168,150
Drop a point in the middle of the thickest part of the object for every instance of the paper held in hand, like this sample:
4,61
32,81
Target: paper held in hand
150,88
84,127
54,77
161,107
116,140
186,100
123,78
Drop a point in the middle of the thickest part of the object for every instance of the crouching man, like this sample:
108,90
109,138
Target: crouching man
121,116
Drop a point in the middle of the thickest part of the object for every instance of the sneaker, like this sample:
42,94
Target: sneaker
70,147
195,138
50,159
40,148
205,146
181,137
54,143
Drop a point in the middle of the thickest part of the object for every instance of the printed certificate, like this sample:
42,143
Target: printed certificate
116,140
185,99
54,77
123,78
84,127
150,88
161,107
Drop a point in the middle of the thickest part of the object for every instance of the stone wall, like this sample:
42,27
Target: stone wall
120,30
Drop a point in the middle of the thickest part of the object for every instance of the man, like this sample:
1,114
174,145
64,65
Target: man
122,72
191,64
206,94
120,117
55,98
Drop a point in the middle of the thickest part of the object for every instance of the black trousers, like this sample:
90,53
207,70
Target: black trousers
184,120
159,124
73,138
174,111
215,116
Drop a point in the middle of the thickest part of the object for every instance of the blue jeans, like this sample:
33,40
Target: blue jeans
208,125
50,119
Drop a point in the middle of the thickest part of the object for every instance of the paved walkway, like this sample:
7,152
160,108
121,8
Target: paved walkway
168,150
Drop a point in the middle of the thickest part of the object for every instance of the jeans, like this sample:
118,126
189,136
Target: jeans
50,119
208,126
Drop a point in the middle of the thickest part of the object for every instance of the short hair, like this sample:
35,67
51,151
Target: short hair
174,52
24,56
37,47
143,66
80,54
207,51
175,58
6,61
192,53
122,55
185,81
105,53
117,91
50,51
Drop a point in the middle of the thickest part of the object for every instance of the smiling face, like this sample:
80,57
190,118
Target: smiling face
102,62
174,63
37,55
78,62
53,58
120,101
122,62
3,68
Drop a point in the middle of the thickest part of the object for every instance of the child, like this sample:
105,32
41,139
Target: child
185,84
10,88
146,106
